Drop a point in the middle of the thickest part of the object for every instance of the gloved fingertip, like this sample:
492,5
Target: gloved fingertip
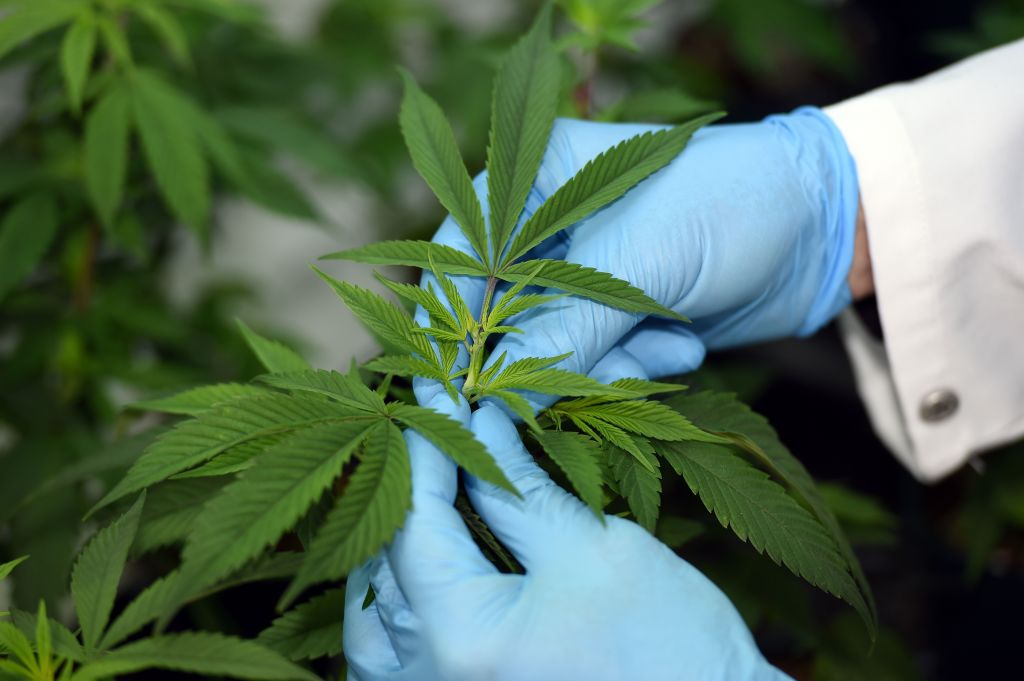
493,427
617,364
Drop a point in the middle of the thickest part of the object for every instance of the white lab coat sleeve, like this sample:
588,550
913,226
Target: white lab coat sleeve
940,163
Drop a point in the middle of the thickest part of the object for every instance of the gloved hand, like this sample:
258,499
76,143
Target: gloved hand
749,233
597,601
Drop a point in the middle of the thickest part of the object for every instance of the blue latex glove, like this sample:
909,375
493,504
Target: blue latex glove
598,601
749,233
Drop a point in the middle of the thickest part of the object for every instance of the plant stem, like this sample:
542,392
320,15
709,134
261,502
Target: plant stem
479,337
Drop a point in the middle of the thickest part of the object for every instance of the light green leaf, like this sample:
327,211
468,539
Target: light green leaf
579,458
32,18
6,568
404,365
640,485
643,388
309,631
552,382
389,323
588,283
268,499
436,156
428,300
64,642
76,52
520,406
106,152
115,39
233,423
44,638
760,511
163,117
634,445
171,511
522,113
643,417
349,390
204,653
366,516
97,572
195,401
18,645
26,232
166,28
275,356
722,413
413,254
454,440
602,180
505,310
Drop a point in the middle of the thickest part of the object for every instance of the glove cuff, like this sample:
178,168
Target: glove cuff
840,198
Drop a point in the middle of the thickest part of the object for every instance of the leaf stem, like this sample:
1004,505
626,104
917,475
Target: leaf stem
478,338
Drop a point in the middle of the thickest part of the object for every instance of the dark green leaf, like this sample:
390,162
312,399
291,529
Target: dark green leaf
197,400
26,232
76,52
640,485
349,390
98,570
275,356
522,113
106,152
166,28
32,18
436,156
309,631
579,458
413,254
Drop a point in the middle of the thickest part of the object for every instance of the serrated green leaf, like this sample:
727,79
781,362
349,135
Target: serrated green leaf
520,406
618,437
44,640
603,180
195,401
18,645
26,232
579,458
166,27
436,157
552,382
454,440
201,439
309,631
519,305
522,114
428,300
275,356
268,499
366,516
759,510
723,413
391,325
30,19
98,570
76,52
349,390
587,282
413,254
171,511
453,297
64,642
107,128
644,388
643,417
404,365
234,460
164,594
196,652
163,118
6,568
639,484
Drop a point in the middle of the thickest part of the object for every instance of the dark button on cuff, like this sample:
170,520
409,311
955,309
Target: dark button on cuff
939,405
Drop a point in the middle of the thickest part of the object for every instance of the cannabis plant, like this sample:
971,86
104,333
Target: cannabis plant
320,455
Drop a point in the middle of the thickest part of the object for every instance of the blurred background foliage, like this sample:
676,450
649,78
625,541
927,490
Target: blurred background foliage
168,165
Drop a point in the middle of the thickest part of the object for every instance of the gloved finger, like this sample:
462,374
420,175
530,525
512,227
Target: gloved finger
434,552
664,347
368,648
524,525
617,364
402,625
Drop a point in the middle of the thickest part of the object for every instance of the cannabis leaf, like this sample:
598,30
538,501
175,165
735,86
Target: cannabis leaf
26,232
76,52
579,458
419,254
195,401
604,179
432,146
310,630
522,114
98,570
373,506
275,356
196,652
171,510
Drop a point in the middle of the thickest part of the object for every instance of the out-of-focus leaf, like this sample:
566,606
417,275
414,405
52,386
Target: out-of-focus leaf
76,56
26,232
106,152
